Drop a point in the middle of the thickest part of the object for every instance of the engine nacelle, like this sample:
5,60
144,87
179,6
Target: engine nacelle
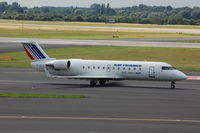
59,64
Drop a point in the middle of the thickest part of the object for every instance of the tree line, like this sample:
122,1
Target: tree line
103,12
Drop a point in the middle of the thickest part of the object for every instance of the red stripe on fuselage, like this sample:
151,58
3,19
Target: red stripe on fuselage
30,56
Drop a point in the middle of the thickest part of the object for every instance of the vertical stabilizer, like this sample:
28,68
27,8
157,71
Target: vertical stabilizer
34,51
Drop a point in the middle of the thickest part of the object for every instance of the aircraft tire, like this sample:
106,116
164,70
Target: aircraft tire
102,82
93,83
173,86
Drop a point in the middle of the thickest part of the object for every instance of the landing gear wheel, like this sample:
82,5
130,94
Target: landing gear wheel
173,86
93,83
102,82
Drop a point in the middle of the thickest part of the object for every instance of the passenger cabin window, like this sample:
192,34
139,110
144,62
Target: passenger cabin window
168,68
88,67
93,67
83,67
103,67
98,67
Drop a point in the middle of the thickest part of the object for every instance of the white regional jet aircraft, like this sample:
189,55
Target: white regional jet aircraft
101,71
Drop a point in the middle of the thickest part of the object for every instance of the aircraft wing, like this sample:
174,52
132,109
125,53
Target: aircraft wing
87,77
90,77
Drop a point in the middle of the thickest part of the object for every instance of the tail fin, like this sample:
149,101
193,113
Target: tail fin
34,51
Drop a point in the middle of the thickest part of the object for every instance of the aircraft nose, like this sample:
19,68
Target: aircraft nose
181,76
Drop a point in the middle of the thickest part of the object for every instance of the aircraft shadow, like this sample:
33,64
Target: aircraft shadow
110,85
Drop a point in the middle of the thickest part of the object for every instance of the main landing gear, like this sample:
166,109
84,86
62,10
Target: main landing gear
94,82
173,84
102,82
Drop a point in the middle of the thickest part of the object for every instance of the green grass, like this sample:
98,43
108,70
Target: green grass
101,24
35,31
83,34
182,58
18,95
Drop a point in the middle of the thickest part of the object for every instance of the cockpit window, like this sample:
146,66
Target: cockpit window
168,68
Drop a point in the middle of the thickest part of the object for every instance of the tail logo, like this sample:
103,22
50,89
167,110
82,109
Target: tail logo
34,52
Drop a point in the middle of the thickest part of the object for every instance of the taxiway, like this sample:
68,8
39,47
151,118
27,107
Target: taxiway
13,44
119,107
126,106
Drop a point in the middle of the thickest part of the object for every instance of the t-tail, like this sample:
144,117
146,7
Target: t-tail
36,54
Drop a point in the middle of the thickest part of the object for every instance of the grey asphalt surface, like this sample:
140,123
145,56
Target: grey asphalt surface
16,47
119,107
13,44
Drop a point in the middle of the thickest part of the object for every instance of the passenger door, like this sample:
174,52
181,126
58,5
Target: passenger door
152,72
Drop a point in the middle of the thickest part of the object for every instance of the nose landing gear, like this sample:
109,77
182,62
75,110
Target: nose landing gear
173,84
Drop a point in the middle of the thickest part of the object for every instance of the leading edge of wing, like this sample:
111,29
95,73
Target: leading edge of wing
89,77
